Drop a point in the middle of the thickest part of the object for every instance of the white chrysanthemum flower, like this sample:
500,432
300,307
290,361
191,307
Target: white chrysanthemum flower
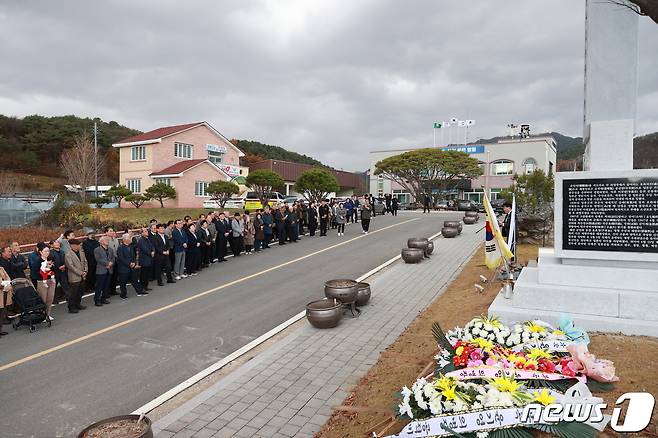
436,407
420,400
475,332
405,409
482,434
488,327
430,392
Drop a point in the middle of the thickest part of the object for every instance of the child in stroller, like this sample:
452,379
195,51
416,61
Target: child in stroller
33,309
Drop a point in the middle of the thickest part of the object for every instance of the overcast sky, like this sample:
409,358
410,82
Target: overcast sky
333,79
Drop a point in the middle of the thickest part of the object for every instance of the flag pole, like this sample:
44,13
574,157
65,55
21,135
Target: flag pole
434,131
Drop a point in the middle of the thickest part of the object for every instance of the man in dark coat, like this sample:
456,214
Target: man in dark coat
355,209
222,235
323,212
268,226
6,262
18,260
291,224
280,223
126,265
506,223
145,254
387,200
312,219
59,267
161,262
88,246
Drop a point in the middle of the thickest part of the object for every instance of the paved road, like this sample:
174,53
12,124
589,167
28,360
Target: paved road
110,361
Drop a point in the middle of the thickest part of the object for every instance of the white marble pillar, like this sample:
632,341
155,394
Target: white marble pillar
611,71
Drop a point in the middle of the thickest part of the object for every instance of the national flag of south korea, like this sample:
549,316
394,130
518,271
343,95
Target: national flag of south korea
461,123
454,120
491,253
470,122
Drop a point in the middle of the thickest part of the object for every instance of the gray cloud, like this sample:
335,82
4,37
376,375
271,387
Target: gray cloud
332,79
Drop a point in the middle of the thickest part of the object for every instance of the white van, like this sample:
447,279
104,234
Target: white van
233,203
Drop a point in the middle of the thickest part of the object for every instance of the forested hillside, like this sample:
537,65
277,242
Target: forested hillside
32,145
256,151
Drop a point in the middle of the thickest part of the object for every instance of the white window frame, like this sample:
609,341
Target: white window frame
494,193
138,153
134,184
183,150
163,180
200,189
219,156
529,165
403,196
493,166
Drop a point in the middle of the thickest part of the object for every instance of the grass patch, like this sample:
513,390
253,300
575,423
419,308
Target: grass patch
22,182
142,216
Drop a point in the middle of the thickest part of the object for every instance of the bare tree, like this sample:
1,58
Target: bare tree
647,8
77,163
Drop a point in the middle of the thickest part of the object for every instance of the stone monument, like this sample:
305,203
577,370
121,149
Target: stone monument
604,267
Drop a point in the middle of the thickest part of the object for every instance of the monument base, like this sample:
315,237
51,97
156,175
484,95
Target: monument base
604,298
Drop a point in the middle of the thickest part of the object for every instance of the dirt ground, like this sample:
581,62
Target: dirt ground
370,407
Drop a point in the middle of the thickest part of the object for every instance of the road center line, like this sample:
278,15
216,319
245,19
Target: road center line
184,300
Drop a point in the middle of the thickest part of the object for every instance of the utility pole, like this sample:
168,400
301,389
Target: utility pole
95,157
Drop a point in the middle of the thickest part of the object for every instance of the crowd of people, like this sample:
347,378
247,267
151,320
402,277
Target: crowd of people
102,262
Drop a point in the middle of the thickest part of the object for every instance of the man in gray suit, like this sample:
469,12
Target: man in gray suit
104,256
76,268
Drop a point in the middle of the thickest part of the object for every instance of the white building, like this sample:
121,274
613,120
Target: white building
499,161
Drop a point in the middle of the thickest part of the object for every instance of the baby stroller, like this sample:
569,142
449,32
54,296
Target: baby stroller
33,309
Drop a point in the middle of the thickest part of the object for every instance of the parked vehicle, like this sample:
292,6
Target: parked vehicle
466,205
251,201
444,204
497,205
379,207
292,199
233,203
408,206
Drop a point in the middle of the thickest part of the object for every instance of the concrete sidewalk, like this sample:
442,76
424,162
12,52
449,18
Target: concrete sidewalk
290,389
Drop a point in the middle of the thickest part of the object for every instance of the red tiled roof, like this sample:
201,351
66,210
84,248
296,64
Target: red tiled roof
179,167
159,133
290,171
